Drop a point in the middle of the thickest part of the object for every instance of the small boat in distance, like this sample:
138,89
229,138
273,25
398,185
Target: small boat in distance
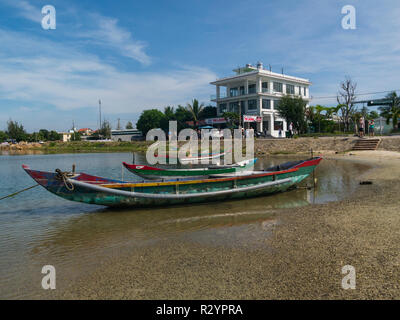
192,159
148,172
90,189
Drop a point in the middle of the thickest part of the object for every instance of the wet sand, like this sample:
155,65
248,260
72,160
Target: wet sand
300,257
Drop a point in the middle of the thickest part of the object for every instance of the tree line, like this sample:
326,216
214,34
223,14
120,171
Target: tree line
194,111
16,131
343,117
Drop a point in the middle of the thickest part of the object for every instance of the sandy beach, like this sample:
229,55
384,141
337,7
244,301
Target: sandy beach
301,256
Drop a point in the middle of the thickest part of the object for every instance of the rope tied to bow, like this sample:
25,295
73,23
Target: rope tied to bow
18,192
64,176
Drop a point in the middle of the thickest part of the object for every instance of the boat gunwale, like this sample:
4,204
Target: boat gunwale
196,181
133,194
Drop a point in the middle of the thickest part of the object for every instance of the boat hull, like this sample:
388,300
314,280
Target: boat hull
114,193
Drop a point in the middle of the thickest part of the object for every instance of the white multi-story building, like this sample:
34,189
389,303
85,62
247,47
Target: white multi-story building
254,92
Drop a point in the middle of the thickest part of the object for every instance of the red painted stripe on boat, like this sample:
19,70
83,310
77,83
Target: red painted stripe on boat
309,163
140,167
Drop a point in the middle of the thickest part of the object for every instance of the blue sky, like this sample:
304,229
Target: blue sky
135,55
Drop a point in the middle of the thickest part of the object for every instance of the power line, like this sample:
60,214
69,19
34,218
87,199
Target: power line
359,94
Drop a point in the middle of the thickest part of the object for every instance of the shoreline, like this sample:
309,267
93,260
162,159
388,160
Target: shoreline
274,147
304,252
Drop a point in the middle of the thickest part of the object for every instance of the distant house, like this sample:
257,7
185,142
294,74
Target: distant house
86,131
65,136
126,135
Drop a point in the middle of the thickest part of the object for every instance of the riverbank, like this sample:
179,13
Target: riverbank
323,145
75,147
299,257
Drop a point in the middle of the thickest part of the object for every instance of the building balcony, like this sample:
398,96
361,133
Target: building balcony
222,95
263,93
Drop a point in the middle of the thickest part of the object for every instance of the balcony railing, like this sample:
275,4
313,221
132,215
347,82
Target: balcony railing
221,96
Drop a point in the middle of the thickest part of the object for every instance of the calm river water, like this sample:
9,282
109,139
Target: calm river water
38,228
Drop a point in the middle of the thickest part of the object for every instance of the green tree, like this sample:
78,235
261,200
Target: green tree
293,109
373,115
182,115
149,119
195,110
169,115
3,136
16,131
44,134
105,130
129,125
319,110
76,136
335,112
392,112
232,118
208,112
54,136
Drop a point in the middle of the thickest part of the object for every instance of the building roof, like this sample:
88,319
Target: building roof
251,71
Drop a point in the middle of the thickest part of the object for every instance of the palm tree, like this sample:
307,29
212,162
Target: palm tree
169,112
310,113
319,110
336,112
392,111
195,108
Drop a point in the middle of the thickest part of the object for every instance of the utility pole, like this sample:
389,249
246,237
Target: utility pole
100,114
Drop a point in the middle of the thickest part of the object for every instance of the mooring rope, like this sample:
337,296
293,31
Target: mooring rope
18,192
64,177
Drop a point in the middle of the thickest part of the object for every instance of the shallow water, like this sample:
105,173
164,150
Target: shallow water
38,228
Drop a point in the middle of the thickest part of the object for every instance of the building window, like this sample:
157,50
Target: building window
305,91
234,107
266,104
252,88
241,90
289,89
222,107
252,105
276,103
278,87
299,91
264,87
233,92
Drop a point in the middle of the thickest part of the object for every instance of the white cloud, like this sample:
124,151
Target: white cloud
63,77
102,31
27,10
109,33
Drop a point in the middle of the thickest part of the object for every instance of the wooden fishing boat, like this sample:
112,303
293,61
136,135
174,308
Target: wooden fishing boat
148,172
192,159
115,193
